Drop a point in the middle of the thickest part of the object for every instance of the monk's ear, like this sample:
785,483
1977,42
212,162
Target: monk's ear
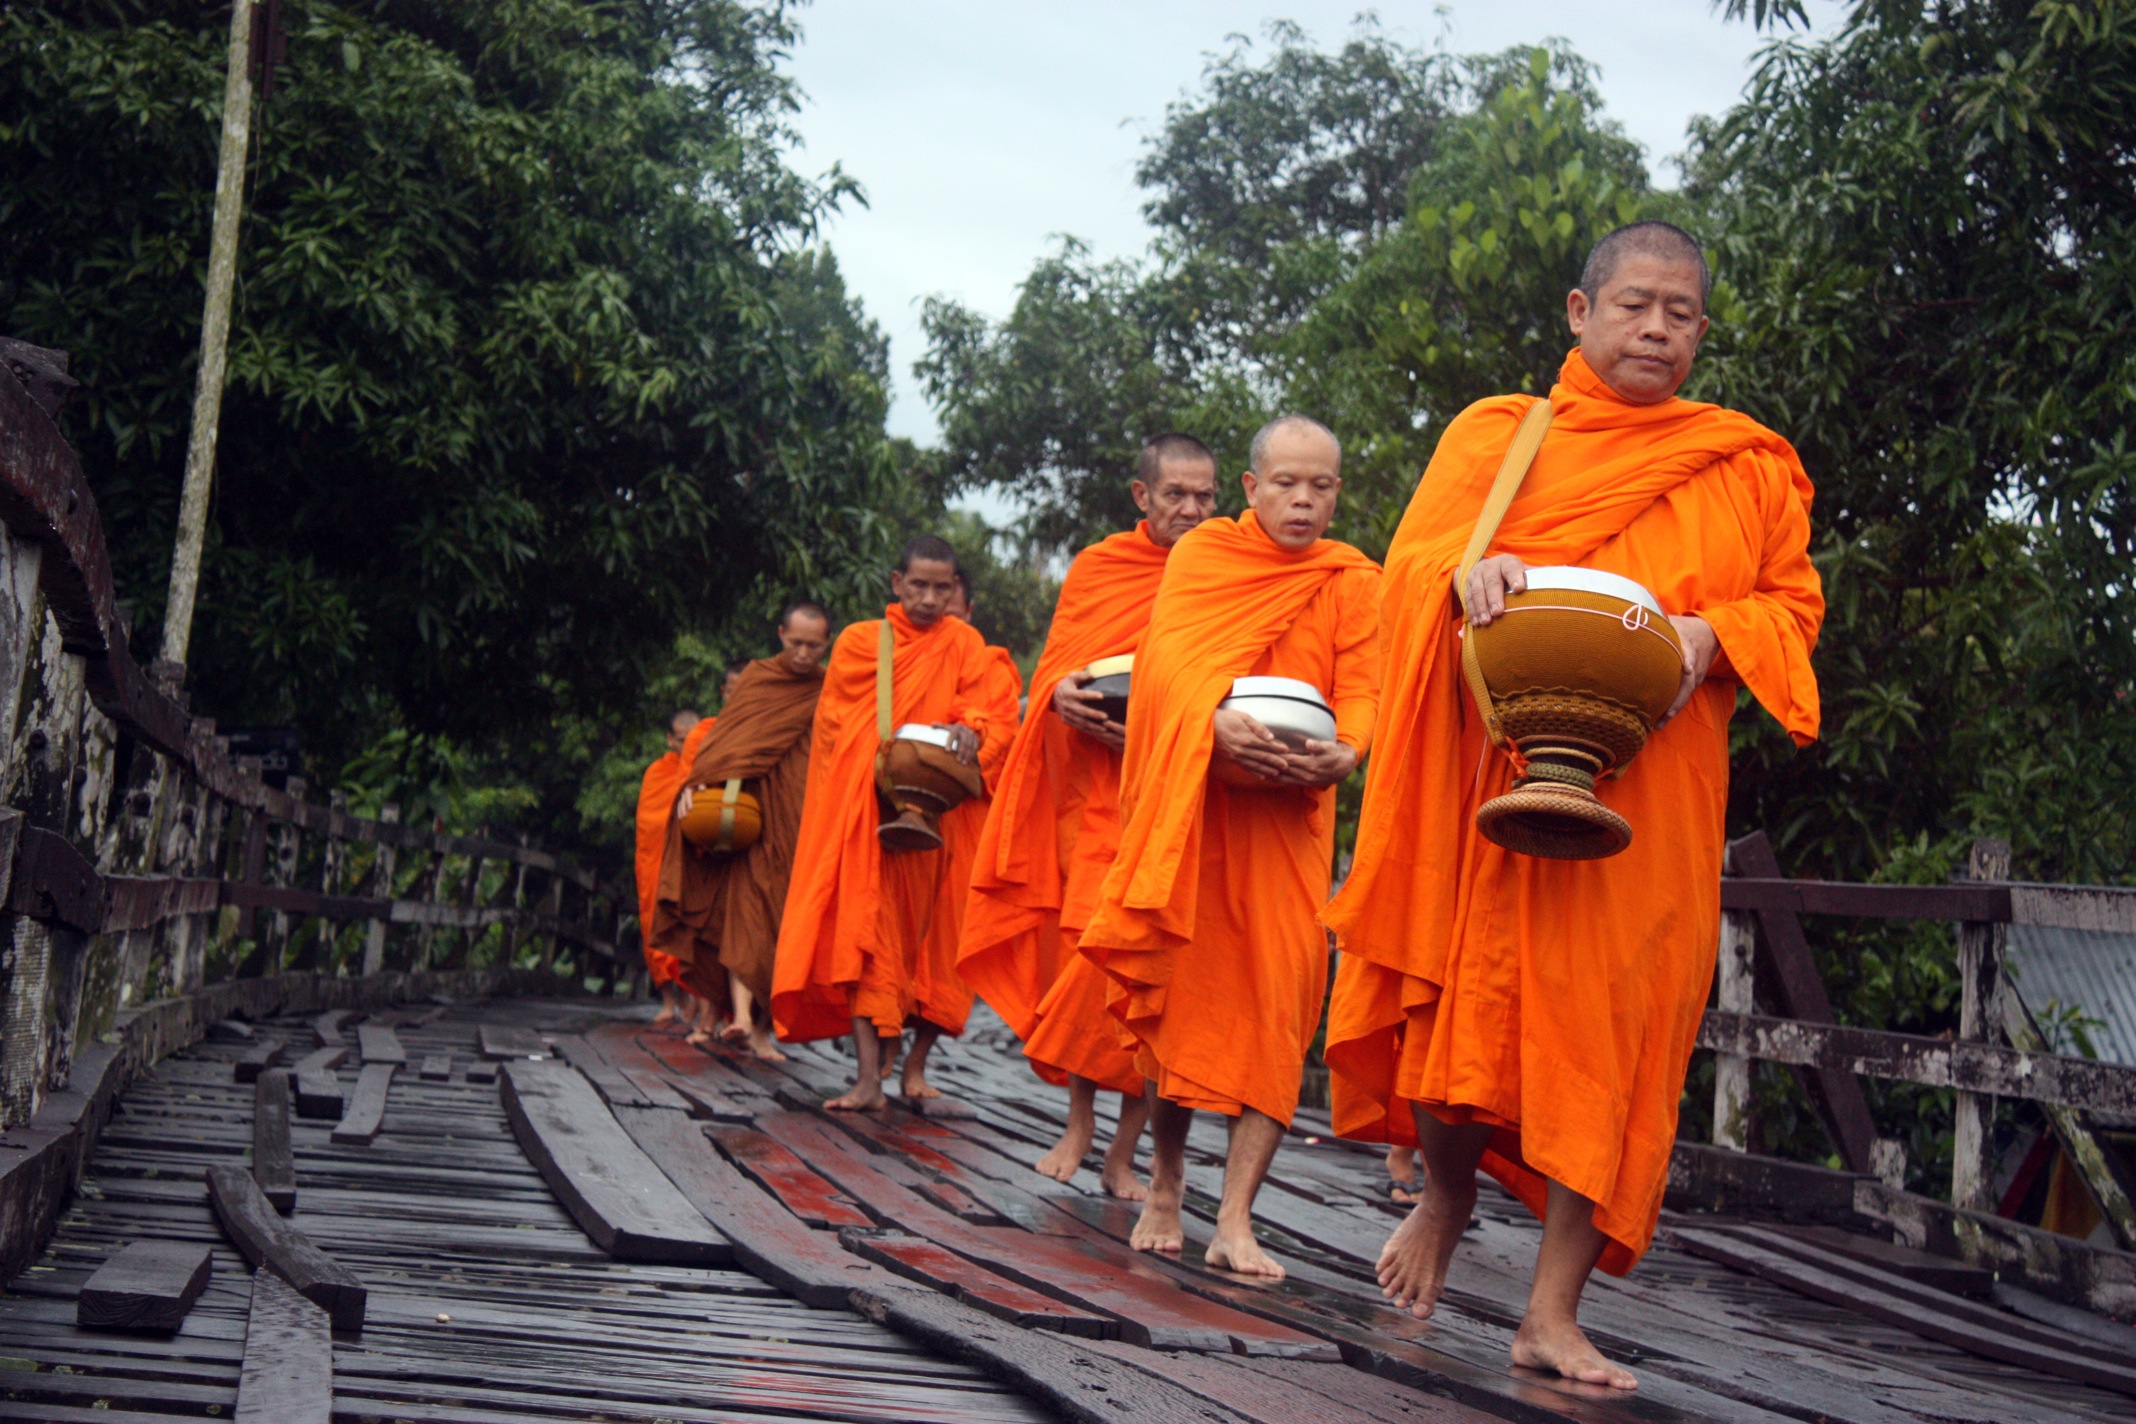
1141,492
1577,310
1249,482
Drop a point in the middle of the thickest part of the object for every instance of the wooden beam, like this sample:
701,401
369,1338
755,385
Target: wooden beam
1980,945
148,1285
944,1270
257,1059
1733,977
365,1114
266,1240
287,1376
377,1043
273,1163
1764,890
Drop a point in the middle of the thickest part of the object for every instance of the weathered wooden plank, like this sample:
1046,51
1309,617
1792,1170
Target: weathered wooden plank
1304,1393
2101,909
365,1115
265,1239
618,1043
328,1029
791,1181
273,1165
615,1089
229,1031
1869,902
501,1041
946,1271
149,1285
436,1068
1935,1272
288,1373
611,1188
262,1055
319,1096
377,1043
482,1071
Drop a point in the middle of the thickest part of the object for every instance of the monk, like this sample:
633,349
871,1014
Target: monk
858,915
719,914
1214,887
1535,1017
656,793
1050,836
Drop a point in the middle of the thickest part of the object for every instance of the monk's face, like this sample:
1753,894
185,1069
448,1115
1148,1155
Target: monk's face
803,639
726,686
926,590
1184,495
679,728
960,605
1642,329
1293,496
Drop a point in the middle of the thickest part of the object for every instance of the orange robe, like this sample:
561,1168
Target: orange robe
857,916
656,801
1215,888
1050,836
1557,1000
719,915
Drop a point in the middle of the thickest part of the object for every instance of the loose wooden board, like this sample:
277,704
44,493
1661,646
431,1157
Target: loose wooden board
265,1239
365,1115
801,1190
946,1271
273,1165
379,1044
288,1373
148,1285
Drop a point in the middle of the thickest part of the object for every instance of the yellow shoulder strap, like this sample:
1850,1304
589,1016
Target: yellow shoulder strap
727,801
885,649
1527,439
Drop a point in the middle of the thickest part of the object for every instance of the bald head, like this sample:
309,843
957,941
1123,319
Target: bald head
1652,238
680,726
1303,425
1174,486
1640,310
1296,476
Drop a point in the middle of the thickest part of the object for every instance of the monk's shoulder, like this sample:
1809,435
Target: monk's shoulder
1762,458
858,639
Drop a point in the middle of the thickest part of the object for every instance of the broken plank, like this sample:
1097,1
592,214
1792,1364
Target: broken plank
366,1112
273,1165
262,1055
265,1239
613,1190
436,1068
148,1285
944,1270
791,1181
376,1043
502,1041
288,1372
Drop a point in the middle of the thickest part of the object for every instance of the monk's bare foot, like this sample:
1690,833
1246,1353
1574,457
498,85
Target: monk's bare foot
1412,1265
915,1085
1158,1228
666,1016
761,1045
734,1033
1064,1156
861,1097
1561,1346
699,1038
1234,1249
1402,1173
1119,1180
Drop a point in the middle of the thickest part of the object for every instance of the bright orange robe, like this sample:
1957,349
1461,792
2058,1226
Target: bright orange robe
1558,999
1215,888
857,916
656,801
1054,824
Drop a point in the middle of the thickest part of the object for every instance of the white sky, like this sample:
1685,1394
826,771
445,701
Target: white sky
982,128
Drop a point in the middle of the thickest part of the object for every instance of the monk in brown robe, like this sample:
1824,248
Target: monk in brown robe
719,914
656,793
1051,834
1205,923
857,913
1534,1017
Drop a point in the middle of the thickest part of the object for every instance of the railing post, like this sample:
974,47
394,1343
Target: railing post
1731,1071
374,935
1980,945
470,899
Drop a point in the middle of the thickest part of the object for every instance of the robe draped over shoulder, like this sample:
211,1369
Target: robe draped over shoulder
1558,1000
1213,887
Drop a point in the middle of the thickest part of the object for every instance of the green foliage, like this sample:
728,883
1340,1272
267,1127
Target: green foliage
531,367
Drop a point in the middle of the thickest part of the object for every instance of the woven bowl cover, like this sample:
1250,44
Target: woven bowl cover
1554,822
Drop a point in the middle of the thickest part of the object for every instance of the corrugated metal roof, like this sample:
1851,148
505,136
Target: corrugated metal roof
2083,969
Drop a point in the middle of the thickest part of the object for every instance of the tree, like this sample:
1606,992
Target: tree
532,366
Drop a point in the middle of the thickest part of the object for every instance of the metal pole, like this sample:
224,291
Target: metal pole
214,344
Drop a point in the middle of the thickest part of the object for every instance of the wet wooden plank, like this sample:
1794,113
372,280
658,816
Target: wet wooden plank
946,1271
365,1116
149,1285
779,1171
273,1165
611,1188
1939,1272
615,1089
264,1053
502,1041
377,1043
288,1373
1304,1393
619,1045
267,1241
435,1068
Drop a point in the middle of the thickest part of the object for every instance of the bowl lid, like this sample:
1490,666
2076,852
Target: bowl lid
1573,579
921,732
1289,687
1111,667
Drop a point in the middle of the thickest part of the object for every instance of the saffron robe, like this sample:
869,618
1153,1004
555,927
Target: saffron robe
857,916
1053,827
1557,1000
1214,887
719,914
657,791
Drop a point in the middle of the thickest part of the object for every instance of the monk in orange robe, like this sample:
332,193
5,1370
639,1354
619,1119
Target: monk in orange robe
858,915
1215,886
719,914
1050,836
1535,1017
656,794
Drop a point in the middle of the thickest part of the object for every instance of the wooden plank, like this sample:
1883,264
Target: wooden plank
615,1089
322,1060
618,1043
288,1373
1304,1393
2061,1267
769,1241
2100,909
1935,1272
502,1041
1771,892
366,1112
319,1096
611,1188
378,1043
273,1165
436,1068
481,1071
327,1028
262,1055
229,1031
791,1181
946,1271
148,1285
265,1239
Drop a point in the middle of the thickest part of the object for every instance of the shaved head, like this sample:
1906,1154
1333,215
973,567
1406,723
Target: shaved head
1652,238
1257,455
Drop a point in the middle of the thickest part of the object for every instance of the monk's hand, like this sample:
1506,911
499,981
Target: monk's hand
1251,745
1701,646
683,802
1489,583
1079,709
963,743
1321,764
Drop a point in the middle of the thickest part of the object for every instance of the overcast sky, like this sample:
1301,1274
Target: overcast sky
981,128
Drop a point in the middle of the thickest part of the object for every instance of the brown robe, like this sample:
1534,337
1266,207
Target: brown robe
719,915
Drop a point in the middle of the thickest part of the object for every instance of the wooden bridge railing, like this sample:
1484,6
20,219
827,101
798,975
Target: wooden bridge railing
139,860
1999,1051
